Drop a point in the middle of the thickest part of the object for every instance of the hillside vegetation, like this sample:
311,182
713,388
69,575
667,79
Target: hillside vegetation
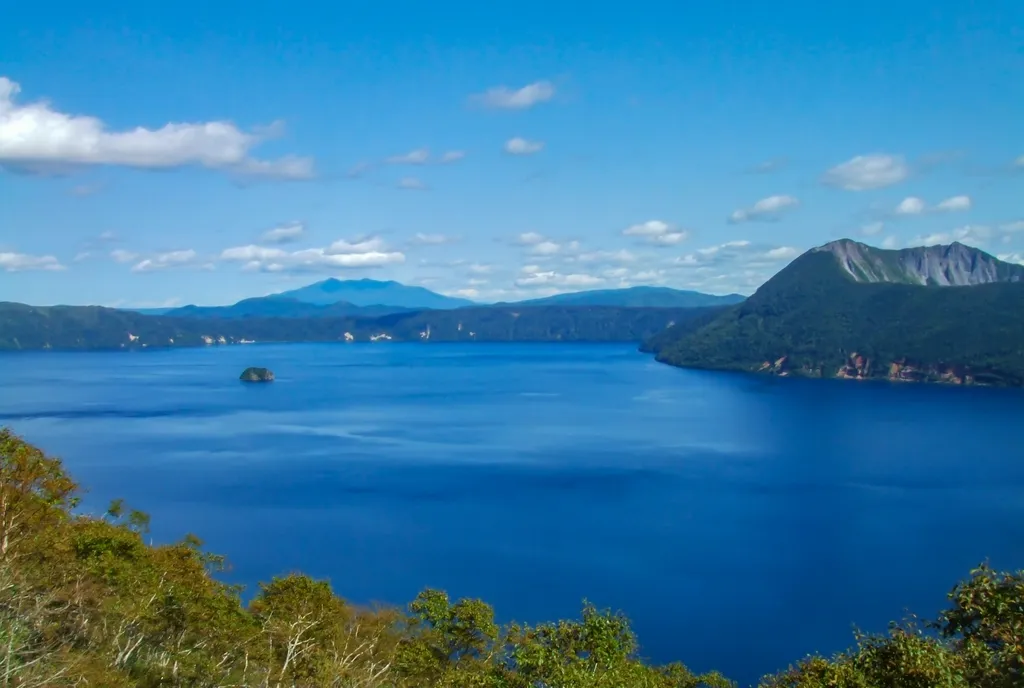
813,318
85,601
91,327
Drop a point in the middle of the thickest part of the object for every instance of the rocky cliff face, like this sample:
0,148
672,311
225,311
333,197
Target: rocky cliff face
860,367
947,266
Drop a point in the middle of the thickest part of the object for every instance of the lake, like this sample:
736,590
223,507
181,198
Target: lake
740,522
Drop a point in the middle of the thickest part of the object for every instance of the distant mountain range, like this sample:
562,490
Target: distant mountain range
649,297
368,292
941,313
282,307
334,298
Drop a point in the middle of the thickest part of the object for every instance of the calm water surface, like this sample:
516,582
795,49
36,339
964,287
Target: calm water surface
741,522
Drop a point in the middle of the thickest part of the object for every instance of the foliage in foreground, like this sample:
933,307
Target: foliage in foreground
84,601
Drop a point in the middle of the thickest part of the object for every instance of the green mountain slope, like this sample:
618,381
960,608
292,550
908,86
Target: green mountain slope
815,318
77,327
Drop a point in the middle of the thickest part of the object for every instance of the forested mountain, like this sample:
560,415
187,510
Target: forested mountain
847,310
90,327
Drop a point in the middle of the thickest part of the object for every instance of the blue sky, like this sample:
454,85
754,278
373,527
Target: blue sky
207,152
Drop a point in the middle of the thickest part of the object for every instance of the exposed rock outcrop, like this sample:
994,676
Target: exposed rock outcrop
950,265
256,375
776,367
857,367
860,367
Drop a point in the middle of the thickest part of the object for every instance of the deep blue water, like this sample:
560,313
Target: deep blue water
740,522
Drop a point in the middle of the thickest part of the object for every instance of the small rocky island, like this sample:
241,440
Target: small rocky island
256,375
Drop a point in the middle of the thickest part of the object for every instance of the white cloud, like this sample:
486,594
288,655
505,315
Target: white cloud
521,146
481,269
890,242
972,234
533,276
317,258
161,261
1017,258
360,253
620,256
865,172
729,246
288,167
414,157
657,232
782,253
670,238
712,250
529,238
648,229
284,234
252,252
433,239
23,262
872,228
911,205
711,254
770,208
1010,227
122,256
453,156
35,134
954,204
545,248
411,183
1019,162
360,245
647,277
505,98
